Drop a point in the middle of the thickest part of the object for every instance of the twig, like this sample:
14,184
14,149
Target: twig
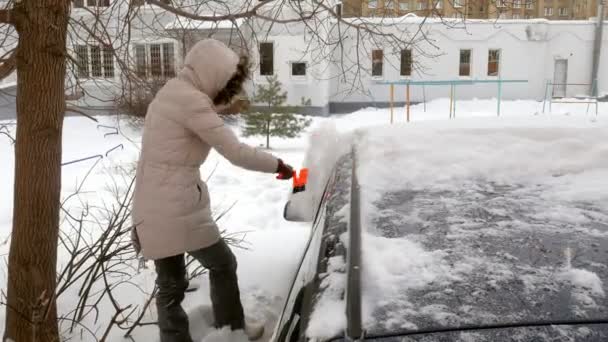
77,111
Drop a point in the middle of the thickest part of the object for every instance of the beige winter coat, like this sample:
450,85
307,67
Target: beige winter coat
171,209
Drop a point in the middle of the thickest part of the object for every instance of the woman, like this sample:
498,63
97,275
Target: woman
171,210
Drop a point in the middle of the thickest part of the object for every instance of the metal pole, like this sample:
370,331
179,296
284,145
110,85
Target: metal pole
454,114
545,97
407,95
451,98
392,96
424,97
597,47
499,97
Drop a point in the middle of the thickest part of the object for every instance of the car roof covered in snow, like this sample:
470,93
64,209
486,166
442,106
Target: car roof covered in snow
482,226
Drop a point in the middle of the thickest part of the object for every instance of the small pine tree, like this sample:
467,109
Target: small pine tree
277,120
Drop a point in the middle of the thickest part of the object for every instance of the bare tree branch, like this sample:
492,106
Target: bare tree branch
8,65
6,16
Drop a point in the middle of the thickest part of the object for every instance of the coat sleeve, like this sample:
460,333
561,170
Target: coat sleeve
205,122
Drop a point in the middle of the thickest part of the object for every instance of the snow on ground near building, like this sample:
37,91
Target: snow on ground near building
274,245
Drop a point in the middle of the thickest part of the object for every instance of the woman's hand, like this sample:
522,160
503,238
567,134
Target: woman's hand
285,171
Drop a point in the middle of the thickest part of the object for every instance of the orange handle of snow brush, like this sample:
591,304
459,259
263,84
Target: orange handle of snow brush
299,180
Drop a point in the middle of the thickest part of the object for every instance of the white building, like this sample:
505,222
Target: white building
539,51
323,61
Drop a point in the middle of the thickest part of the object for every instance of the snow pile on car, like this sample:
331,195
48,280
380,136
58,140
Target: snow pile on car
455,210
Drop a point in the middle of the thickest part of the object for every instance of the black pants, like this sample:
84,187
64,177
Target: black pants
172,283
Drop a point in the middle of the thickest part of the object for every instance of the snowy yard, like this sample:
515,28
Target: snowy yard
478,143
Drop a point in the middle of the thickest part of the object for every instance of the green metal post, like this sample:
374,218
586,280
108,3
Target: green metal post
454,101
424,97
499,97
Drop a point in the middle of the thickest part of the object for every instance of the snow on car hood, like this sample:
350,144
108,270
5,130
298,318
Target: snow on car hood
483,223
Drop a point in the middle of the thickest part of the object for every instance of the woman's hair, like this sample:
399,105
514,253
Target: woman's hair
235,84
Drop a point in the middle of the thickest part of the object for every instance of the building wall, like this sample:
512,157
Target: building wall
528,52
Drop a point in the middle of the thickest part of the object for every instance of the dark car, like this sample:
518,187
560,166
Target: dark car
520,290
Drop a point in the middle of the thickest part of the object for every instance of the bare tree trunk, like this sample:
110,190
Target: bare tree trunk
31,313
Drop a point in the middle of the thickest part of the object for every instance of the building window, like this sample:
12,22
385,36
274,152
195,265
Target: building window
372,4
563,12
516,16
91,3
377,63
406,62
501,3
516,3
143,2
298,69
529,4
404,6
94,61
493,62
438,4
390,5
458,4
155,60
465,63
502,15
140,60
548,11
267,59
421,6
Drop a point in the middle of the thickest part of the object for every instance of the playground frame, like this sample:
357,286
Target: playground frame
452,83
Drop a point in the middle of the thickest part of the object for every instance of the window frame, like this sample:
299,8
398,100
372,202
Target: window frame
148,73
369,4
272,59
389,4
106,71
548,11
516,3
411,63
458,3
298,77
529,4
438,4
470,63
498,62
84,4
381,76
563,11
422,5
407,5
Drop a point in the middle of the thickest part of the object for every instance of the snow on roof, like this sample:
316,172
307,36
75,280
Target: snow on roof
189,24
455,217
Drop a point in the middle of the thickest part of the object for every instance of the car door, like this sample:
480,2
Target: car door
288,327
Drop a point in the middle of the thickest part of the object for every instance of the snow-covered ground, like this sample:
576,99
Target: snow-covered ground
274,245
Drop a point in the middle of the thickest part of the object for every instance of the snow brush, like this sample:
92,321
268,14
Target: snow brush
299,180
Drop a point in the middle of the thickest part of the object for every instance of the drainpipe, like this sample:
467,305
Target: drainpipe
597,46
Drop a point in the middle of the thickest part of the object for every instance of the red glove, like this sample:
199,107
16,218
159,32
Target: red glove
285,171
